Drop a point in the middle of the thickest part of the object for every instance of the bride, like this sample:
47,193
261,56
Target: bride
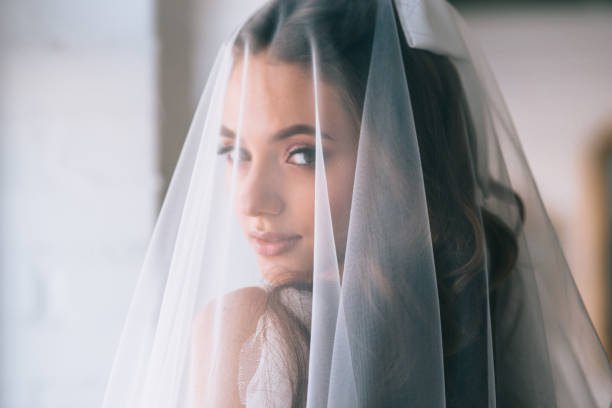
352,223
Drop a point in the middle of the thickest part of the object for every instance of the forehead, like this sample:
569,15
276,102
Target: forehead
276,95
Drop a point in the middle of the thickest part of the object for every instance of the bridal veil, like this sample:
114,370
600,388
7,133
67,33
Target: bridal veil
352,223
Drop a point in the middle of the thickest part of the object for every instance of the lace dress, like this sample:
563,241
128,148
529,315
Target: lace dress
264,375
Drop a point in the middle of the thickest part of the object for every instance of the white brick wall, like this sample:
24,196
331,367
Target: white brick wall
78,191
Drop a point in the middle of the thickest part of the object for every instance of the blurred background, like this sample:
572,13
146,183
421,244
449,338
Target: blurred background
95,100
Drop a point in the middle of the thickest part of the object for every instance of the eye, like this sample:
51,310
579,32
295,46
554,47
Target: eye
303,156
229,151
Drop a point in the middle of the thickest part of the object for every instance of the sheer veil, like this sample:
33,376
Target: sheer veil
352,222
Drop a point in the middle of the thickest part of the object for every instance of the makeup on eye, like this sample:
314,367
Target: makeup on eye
303,154
222,149
228,149
300,155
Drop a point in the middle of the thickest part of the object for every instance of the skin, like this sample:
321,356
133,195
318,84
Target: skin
274,190
274,184
220,330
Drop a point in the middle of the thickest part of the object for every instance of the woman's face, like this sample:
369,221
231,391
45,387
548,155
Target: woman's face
274,184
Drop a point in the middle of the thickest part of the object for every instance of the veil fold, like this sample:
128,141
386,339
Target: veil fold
352,223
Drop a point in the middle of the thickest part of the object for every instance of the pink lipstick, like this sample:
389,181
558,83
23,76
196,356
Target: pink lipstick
273,243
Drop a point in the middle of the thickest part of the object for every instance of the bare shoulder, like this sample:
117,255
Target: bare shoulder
251,298
220,329
235,314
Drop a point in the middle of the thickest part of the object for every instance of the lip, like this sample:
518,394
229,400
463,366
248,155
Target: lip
269,243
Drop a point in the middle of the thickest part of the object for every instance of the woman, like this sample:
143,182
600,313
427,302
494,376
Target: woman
358,239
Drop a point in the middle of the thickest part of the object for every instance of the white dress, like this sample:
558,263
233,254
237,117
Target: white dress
263,374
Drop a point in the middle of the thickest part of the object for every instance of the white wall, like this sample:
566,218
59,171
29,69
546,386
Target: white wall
78,183
554,67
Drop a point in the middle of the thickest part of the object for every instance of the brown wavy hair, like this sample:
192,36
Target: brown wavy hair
468,241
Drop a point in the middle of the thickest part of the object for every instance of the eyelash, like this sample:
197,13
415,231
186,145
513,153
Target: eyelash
302,149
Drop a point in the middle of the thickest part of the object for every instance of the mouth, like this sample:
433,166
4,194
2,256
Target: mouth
273,243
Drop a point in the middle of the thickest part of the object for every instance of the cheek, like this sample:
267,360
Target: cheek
234,186
340,187
299,203
231,186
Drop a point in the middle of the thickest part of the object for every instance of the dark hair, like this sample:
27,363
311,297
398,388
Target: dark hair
464,234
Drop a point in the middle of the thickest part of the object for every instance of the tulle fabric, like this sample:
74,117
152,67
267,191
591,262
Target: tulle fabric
396,313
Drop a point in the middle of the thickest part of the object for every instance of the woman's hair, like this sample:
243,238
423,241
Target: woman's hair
461,230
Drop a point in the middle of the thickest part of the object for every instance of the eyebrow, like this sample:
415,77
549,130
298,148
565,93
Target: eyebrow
299,129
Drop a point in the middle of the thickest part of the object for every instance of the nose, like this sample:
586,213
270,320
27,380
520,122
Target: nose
260,192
